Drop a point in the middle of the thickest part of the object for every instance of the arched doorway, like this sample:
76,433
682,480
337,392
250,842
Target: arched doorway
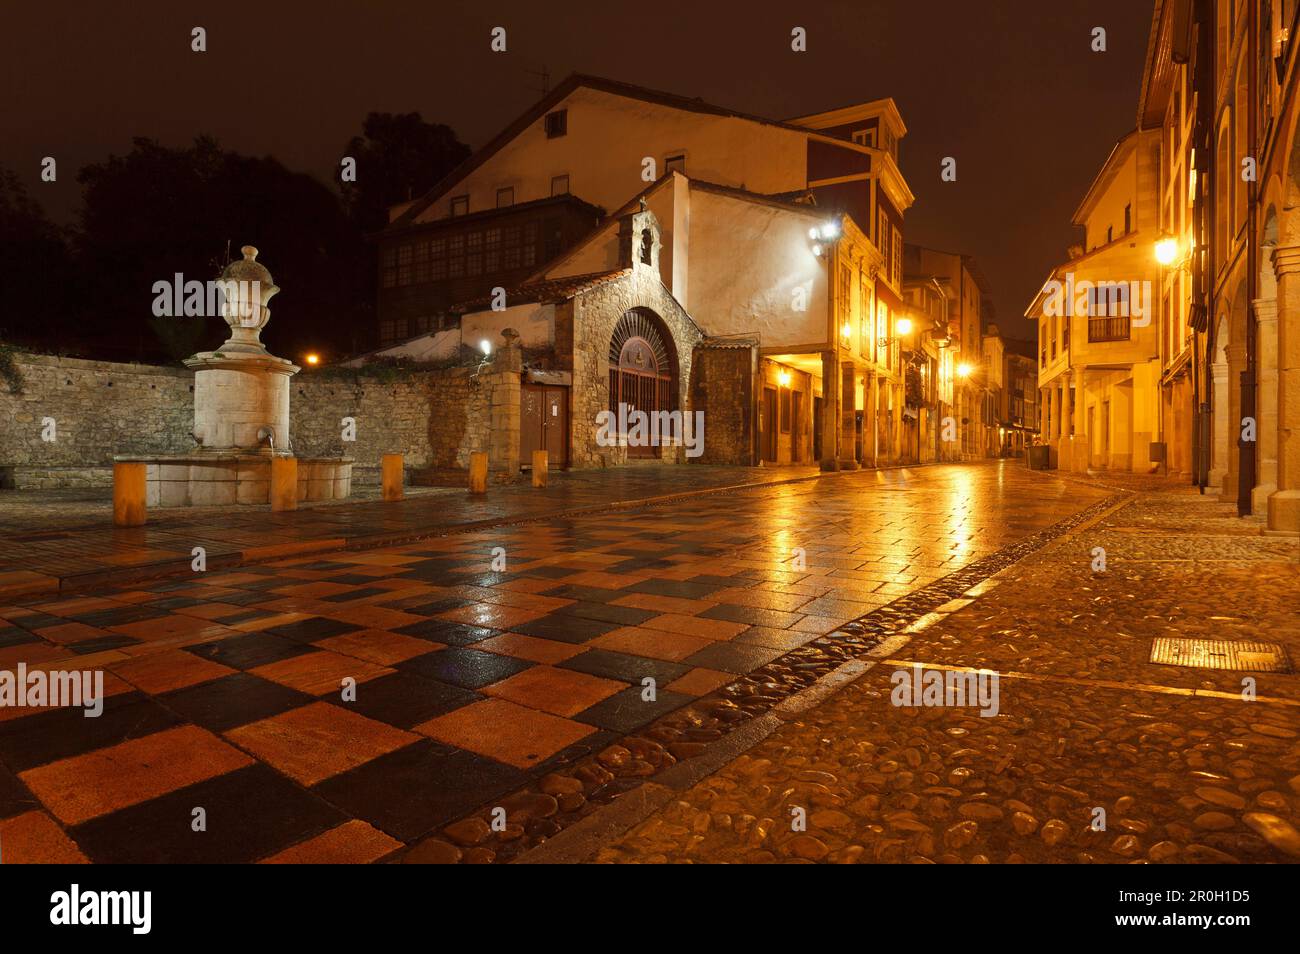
642,369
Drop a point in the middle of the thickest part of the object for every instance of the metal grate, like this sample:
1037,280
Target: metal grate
1220,654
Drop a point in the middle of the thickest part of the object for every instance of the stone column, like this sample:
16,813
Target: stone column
1266,361
830,411
848,417
1236,355
506,383
1223,444
1067,410
1080,442
1284,504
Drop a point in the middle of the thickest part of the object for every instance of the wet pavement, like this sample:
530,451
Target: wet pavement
57,541
379,704
1095,754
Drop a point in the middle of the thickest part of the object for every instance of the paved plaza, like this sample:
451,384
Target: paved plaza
666,682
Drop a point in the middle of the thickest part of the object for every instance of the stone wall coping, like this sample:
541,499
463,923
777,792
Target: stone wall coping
220,458
111,367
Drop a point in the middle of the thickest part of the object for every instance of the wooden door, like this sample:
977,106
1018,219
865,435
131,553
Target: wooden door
769,424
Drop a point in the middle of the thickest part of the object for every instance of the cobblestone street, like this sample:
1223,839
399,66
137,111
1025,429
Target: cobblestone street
1185,770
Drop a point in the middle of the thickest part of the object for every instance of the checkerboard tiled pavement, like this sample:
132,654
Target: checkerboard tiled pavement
224,690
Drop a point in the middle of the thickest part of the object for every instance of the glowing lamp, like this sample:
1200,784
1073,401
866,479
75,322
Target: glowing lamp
964,370
783,377
485,346
831,230
313,359
904,326
1166,250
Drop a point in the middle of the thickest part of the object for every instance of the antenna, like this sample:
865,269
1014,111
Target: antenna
545,76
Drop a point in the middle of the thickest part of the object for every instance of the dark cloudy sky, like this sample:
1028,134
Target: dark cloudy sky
1011,88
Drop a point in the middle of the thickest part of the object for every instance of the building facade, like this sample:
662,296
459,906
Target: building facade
815,321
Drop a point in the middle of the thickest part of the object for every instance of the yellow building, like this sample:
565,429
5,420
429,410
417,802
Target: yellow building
1097,317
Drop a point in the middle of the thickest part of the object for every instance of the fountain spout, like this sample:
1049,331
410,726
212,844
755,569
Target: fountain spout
267,433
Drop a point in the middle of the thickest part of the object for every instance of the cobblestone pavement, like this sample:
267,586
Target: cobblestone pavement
1183,767
477,687
65,539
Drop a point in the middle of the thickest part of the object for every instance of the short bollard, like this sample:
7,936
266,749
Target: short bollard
128,495
392,476
478,473
541,463
284,483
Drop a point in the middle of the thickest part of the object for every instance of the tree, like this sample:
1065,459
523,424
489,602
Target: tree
35,270
160,211
398,157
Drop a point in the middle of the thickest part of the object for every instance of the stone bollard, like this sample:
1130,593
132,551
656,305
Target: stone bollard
478,463
284,483
541,465
391,469
128,495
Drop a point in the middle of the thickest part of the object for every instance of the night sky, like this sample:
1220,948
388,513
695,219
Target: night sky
1011,89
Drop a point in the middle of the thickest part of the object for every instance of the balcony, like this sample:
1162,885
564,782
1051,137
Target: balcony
1108,329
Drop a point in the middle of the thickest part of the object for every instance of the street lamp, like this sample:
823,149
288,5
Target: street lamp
783,378
1166,250
903,326
313,359
964,370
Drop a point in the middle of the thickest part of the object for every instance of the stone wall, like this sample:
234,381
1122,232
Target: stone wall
722,386
594,317
100,409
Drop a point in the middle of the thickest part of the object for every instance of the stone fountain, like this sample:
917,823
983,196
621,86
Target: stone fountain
241,413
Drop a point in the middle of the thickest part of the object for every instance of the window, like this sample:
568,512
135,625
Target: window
460,205
675,162
1110,234
865,137
560,185
882,235
784,401
1128,219
505,197
557,124
882,322
896,261
474,253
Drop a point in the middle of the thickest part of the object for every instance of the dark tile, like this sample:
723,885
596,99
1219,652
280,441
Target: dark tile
591,594
241,598
404,699
627,711
100,643
14,796
118,617
250,650
356,594
734,657
683,588
39,621
719,580
550,572
566,629
352,579
34,740
247,616
311,630
13,636
233,700
251,813
423,786
445,631
753,615
467,668
624,667
173,603
437,606
608,613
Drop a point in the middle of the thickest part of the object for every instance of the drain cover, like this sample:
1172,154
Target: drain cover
1220,654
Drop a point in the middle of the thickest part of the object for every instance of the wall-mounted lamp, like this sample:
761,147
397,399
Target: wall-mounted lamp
485,346
783,378
1166,250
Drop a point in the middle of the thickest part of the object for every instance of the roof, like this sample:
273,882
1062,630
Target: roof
1023,349
1118,153
1158,67
553,290
405,227
556,96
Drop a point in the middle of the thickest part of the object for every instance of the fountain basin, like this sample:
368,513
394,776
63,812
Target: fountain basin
216,480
